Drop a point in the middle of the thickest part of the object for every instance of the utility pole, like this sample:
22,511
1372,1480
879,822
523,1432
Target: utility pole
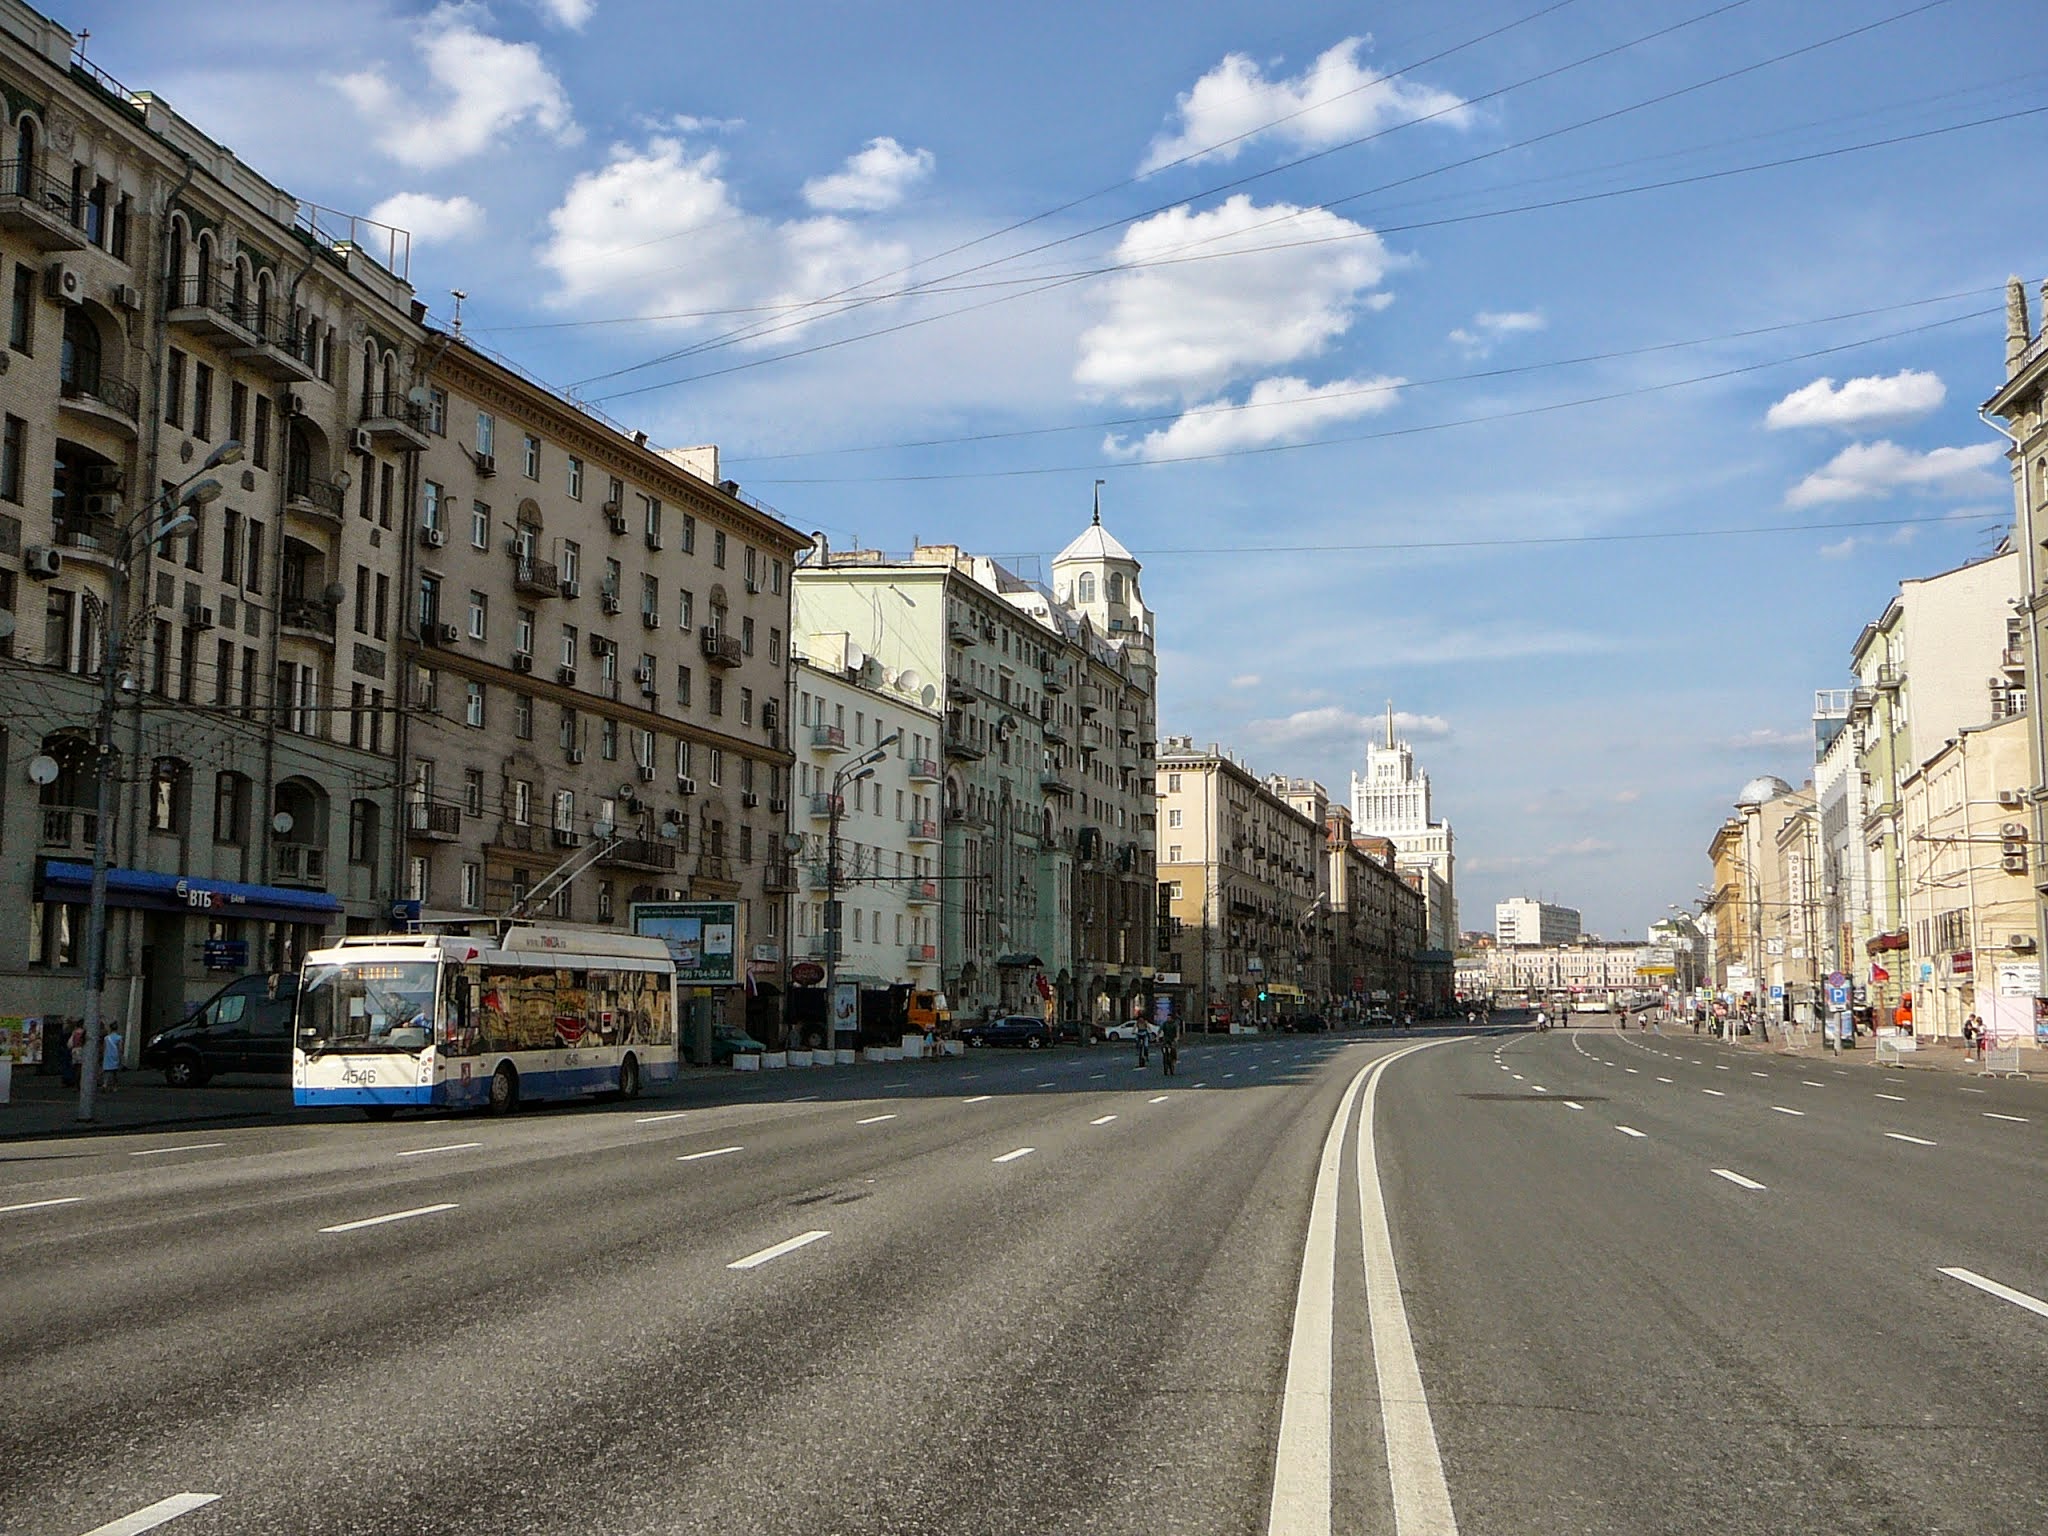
862,767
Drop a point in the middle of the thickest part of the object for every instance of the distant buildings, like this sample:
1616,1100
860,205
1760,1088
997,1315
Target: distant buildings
1524,920
1391,799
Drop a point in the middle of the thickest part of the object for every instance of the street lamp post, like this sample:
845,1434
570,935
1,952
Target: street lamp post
175,509
859,768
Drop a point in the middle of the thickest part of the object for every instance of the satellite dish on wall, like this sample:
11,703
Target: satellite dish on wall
928,696
42,769
908,680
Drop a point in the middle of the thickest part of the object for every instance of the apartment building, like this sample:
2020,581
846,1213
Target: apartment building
164,302
597,674
1525,920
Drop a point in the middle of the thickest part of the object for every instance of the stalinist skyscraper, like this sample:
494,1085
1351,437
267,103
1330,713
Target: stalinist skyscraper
1391,800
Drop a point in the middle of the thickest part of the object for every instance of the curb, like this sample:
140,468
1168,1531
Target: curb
105,1128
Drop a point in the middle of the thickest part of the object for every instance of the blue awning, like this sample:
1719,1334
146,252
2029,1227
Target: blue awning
63,880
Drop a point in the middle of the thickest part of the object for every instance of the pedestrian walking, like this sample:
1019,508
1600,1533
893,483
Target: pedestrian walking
110,1058
74,1053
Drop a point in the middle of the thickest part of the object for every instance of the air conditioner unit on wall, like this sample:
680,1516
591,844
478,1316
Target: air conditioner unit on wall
685,785
522,661
64,282
486,464
127,296
433,538
647,773
2011,799
448,634
40,560
360,441
2021,942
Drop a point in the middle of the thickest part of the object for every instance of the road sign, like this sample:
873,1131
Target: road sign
1838,996
1777,991
1837,979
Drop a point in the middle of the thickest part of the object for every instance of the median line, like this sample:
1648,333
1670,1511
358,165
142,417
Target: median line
190,1146
378,1221
777,1250
1990,1287
37,1205
453,1146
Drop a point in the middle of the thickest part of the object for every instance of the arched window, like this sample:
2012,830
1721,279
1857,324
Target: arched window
1085,592
78,362
25,157
239,294
369,374
177,273
202,268
1116,587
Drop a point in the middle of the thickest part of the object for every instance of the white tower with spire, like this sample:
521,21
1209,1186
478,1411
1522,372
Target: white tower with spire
1097,577
1391,800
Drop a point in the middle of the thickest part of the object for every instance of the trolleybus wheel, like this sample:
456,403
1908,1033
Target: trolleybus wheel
629,1078
504,1090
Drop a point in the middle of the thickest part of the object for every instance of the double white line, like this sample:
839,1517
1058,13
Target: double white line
1301,1464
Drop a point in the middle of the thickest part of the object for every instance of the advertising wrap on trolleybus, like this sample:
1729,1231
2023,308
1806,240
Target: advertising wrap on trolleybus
418,1020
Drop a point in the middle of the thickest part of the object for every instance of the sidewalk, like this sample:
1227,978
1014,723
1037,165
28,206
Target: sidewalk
43,1106
1931,1055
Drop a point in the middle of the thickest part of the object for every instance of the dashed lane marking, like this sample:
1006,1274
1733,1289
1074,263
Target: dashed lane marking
2016,1119
453,1146
2033,1304
1781,1109
1011,1157
874,1120
1735,1178
1810,1083
1717,1093
1570,1104
979,1098
1102,1119
1896,1098
787,1245
1918,1141
151,1516
698,1157
1157,1099
190,1146
1663,1079
1629,1130
674,1114
37,1205
378,1221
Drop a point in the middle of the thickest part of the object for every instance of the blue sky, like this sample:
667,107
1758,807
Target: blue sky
1332,403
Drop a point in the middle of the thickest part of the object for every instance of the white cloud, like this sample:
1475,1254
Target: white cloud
1492,325
877,177
478,87
1498,864
1863,471
1627,796
1333,728
428,218
1281,410
1249,680
567,13
1841,549
1186,329
1336,98
1859,403
1768,738
1585,847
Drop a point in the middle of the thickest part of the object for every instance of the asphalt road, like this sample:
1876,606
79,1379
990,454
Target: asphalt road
1048,1293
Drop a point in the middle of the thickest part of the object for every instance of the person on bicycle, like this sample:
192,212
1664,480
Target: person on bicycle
1144,1042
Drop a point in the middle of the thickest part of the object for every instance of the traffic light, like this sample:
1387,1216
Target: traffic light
1262,994
2013,847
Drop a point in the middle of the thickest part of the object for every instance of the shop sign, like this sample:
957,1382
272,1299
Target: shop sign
204,898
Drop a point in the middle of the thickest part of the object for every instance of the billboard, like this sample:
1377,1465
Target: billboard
702,937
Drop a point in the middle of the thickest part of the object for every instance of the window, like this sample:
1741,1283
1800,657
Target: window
252,567
1173,783
479,614
486,433
747,633
1173,857
575,478
608,740
749,566
382,606
714,694
1085,591
747,707
683,684
650,598
775,646
167,796
572,561
259,447
650,511
238,411
472,886
13,454
430,603
604,901
174,388
568,645
716,766
430,505
387,493
437,412
223,671
479,525
522,632
21,314
417,878
686,604
362,832
615,495
775,577
522,802
531,456
718,547
689,534
522,716
202,402
230,809
1173,818
473,791
473,704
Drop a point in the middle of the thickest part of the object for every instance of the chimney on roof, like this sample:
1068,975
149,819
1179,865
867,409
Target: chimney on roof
2017,332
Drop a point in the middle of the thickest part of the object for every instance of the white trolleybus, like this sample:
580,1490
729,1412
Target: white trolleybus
396,1020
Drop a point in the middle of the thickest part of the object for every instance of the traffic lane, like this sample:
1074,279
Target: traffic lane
1612,1328
996,1320
268,1250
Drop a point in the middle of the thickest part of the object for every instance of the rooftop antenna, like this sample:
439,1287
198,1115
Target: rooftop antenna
1098,501
459,296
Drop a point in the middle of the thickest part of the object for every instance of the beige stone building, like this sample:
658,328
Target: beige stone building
600,676
165,299
1969,899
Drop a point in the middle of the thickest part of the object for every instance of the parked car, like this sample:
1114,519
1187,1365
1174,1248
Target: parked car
1126,1032
727,1042
1379,1019
1069,1032
1307,1023
244,1027
1013,1029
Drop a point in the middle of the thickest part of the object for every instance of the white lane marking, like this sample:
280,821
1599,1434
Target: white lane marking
1011,1157
453,1146
1201,1085
1631,1071
1896,1098
1518,1077
979,1098
1918,1141
1809,1082
1569,1104
1719,1068
1301,1461
378,1221
1976,1090
1229,1074
190,1146
674,1114
150,1517
1735,1178
1539,1088
874,1120
1759,1074
1095,1077
1663,1079
2002,1292
1415,1469
1157,1099
37,1205
1102,1119
1781,1109
2016,1119
1048,1085
787,1245
694,1157
1629,1130
1717,1093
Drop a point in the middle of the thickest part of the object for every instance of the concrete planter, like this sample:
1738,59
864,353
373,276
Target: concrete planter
913,1047
798,1058
746,1061
775,1058
955,1047
845,1058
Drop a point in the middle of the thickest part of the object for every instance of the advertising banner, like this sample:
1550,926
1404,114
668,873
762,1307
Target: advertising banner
702,937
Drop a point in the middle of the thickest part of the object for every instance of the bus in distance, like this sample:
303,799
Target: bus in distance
400,1020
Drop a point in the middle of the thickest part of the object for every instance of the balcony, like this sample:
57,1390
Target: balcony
1055,733
535,578
1052,682
922,894
961,633
430,819
37,207
828,738
825,805
960,749
101,394
923,831
778,879
308,617
817,878
1889,677
825,946
395,420
514,835
642,853
921,954
299,864
321,499
720,650
1053,784
67,827
924,770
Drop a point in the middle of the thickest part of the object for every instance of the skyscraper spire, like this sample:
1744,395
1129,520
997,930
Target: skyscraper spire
1098,501
1390,725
